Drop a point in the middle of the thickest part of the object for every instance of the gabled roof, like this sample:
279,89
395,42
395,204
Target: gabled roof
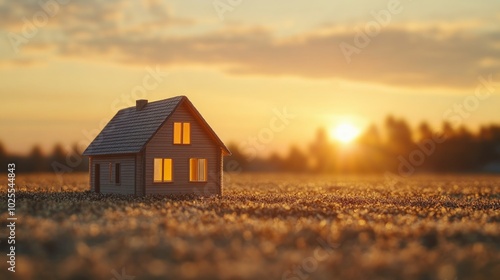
130,130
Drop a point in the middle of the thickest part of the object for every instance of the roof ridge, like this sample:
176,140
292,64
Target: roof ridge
117,137
156,101
130,130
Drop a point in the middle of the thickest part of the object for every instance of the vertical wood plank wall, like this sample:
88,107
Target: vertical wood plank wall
202,146
221,173
91,172
139,178
127,185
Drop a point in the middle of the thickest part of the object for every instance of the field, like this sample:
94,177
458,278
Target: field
265,227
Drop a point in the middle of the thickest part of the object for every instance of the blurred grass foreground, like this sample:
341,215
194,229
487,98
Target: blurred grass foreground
265,227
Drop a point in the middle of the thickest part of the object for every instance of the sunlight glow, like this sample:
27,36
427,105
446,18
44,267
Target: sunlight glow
345,132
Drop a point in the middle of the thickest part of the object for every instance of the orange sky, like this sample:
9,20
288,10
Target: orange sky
65,68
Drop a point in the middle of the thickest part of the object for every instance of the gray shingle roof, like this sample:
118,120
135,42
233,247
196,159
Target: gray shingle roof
130,130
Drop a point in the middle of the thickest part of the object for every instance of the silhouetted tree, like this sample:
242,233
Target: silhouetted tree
58,155
322,153
398,134
425,131
77,161
371,137
296,160
371,153
464,133
489,133
399,141
237,162
3,155
36,160
275,163
448,131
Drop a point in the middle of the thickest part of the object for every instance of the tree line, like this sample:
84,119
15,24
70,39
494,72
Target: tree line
55,161
392,147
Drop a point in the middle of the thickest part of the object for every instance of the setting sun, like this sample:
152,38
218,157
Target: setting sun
345,132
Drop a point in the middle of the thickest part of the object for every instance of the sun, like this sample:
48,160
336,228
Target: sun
345,132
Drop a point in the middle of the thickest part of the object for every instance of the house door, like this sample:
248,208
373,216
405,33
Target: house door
97,178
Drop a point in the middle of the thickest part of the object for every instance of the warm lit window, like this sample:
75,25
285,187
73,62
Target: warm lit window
182,133
117,173
186,133
162,170
197,170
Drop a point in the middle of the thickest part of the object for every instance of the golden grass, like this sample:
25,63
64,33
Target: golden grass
265,227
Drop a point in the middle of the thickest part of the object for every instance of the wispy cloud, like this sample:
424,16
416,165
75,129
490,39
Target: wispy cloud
402,55
396,56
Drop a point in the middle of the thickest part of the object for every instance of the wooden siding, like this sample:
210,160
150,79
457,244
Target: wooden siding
202,146
127,166
91,172
139,177
221,172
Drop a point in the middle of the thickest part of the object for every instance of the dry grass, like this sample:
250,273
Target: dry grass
320,227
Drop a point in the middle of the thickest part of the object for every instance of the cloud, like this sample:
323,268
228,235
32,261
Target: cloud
396,57
428,55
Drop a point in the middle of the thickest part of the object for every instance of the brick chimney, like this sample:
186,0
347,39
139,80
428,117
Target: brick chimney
140,104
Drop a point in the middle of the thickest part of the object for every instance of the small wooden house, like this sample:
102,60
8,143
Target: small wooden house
162,147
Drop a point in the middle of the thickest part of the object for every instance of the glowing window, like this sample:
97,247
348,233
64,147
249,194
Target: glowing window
182,133
197,170
177,133
162,170
186,133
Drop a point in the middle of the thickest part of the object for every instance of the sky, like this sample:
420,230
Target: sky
67,66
